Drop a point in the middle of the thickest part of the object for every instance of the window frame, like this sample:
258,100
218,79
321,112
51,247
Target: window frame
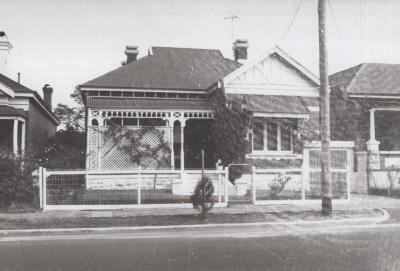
278,139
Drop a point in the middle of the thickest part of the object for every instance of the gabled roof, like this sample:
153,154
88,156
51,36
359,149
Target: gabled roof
169,68
368,79
23,91
283,55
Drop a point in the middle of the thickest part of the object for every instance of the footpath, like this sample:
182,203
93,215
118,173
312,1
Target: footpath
360,210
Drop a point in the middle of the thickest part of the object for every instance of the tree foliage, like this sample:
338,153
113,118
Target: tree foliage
65,150
70,117
202,197
146,147
16,181
229,131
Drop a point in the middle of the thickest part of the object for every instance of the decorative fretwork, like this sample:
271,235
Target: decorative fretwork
171,116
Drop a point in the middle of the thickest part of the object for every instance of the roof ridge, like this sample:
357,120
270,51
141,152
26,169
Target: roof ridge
187,48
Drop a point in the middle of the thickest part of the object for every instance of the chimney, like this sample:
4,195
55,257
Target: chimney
5,47
47,92
240,49
131,53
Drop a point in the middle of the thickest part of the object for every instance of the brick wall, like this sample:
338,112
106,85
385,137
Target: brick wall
39,128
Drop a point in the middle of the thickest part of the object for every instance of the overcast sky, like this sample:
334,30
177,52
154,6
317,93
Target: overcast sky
66,43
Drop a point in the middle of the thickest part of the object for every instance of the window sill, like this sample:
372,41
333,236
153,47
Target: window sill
274,155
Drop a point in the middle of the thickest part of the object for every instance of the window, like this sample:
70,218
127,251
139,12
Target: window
258,136
272,137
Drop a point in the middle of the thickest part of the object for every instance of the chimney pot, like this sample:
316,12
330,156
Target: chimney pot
240,49
47,93
132,53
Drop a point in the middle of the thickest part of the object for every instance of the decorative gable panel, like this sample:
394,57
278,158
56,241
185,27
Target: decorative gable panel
274,74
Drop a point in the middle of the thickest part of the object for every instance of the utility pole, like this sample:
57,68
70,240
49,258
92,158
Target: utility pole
232,18
326,188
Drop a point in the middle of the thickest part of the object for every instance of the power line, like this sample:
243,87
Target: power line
292,20
336,24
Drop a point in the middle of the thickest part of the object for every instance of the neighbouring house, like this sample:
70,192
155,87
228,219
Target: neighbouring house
26,119
172,89
365,107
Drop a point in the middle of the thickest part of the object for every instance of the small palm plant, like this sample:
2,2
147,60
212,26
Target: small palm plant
202,197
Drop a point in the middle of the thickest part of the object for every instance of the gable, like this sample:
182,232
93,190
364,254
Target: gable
273,74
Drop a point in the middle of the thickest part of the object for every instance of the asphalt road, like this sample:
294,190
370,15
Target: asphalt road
358,249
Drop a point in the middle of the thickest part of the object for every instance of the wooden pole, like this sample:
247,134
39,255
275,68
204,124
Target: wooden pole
326,190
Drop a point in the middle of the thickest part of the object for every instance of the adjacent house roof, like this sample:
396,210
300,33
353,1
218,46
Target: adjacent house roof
22,91
148,103
368,79
169,68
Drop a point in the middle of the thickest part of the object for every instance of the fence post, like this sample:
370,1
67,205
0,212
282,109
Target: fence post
226,184
44,188
219,187
253,185
40,183
139,196
349,168
306,172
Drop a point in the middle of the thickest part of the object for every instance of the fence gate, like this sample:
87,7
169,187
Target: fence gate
342,161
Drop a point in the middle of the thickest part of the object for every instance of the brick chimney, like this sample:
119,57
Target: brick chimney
131,53
47,92
5,47
240,49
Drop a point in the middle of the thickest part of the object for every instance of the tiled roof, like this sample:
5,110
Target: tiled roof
369,78
18,88
11,111
169,68
275,104
14,85
148,103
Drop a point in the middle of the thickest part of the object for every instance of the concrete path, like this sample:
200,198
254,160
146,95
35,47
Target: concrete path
357,202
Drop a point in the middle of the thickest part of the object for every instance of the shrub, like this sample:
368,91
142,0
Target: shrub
202,197
278,185
16,181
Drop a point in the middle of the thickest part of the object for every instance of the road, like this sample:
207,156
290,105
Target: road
237,248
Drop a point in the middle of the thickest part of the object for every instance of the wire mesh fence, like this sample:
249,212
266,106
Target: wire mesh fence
63,189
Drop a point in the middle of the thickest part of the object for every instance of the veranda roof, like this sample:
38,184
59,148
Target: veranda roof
11,111
148,103
273,105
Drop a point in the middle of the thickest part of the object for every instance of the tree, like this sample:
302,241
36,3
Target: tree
229,131
202,197
70,117
16,182
65,150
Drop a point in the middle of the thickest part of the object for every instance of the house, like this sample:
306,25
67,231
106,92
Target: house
365,103
172,89
26,120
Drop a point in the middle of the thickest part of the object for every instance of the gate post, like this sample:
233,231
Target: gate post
40,183
350,169
44,188
226,185
253,185
306,172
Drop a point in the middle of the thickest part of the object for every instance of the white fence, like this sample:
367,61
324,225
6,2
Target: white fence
86,190
90,190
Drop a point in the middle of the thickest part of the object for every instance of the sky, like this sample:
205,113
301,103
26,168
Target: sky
66,43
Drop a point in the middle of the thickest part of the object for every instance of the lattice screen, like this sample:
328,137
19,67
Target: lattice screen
106,154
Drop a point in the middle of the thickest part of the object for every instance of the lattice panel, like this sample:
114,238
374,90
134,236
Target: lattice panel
107,153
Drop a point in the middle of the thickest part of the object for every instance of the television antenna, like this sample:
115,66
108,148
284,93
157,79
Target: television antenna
232,18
